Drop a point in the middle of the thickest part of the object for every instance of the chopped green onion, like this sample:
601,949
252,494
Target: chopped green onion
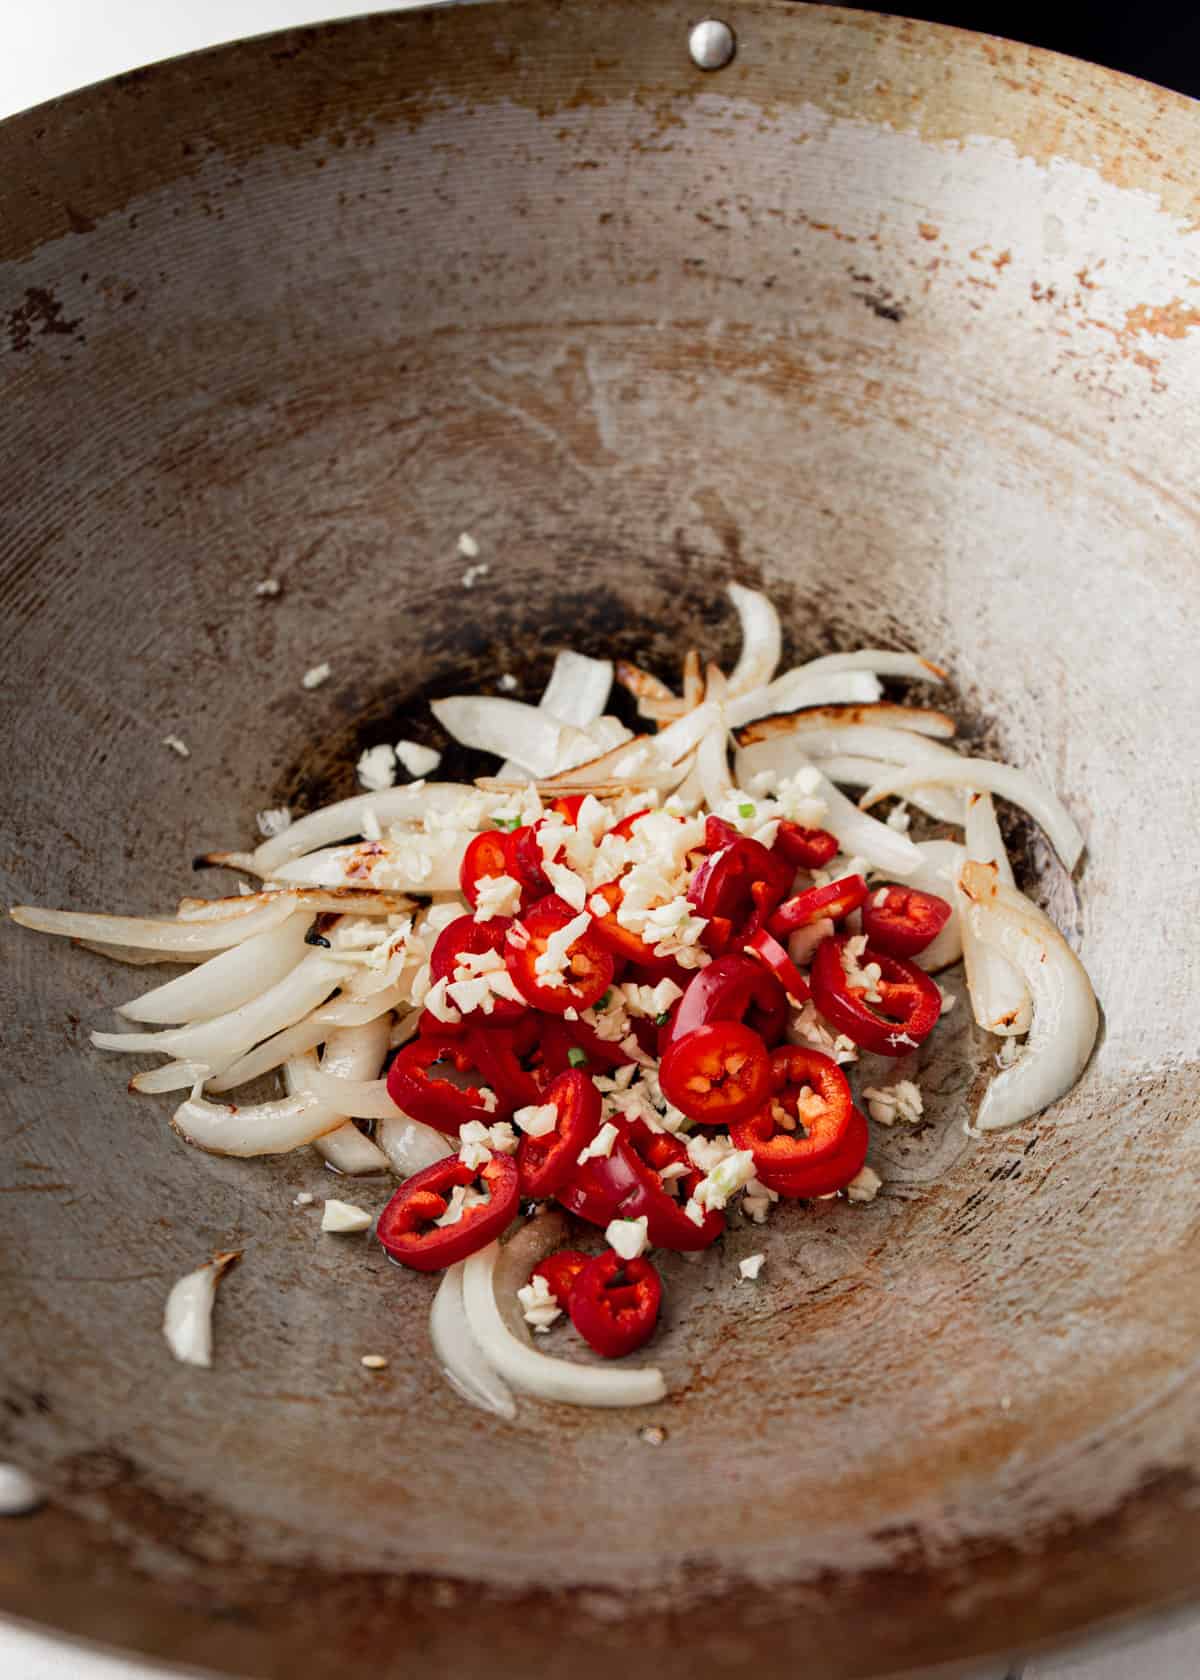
746,810
661,1020
576,1056
604,1002
508,823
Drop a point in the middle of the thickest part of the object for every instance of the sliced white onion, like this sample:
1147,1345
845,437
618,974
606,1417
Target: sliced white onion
421,863
883,848
219,1042
643,685
172,1076
187,1318
457,1352
941,861
305,1035
138,959
410,1145
226,981
365,1099
578,690
350,1053
1000,999
712,767
918,720
340,821
671,744
270,1128
848,770
762,640
885,662
1065,1016
635,764
342,901
508,728
981,774
798,688
693,680
187,940
495,1273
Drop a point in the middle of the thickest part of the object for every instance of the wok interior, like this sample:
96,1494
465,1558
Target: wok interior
523,273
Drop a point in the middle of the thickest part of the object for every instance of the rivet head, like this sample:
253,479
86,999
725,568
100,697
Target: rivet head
711,44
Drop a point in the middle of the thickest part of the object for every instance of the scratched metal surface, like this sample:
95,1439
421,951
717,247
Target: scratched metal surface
895,321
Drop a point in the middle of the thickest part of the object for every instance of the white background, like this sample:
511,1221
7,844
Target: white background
51,46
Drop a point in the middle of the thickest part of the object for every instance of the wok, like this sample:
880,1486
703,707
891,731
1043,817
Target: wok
896,321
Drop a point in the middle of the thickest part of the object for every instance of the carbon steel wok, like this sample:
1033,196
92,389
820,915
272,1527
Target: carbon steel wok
899,322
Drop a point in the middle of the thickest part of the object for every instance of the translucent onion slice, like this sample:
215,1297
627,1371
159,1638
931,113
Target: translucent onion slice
305,1035
270,1128
643,685
509,728
458,1354
693,680
678,739
1065,1016
1000,999
422,863
186,940
365,1099
348,901
219,1042
982,775
392,805
410,1145
884,662
798,688
848,770
187,1318
138,959
226,981
712,767
917,720
172,1076
495,1274
578,690
882,848
350,1053
762,640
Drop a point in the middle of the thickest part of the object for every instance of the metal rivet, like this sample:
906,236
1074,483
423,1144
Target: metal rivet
711,44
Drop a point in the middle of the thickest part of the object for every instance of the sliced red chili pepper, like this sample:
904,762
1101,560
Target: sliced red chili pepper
772,953
625,1185
407,1227
558,1038
717,1074
560,1271
905,1015
902,920
615,1303
488,853
496,1055
465,937
624,828
589,968
805,848
723,884
546,1163
764,897
567,806
810,1151
624,942
732,988
816,904
415,1087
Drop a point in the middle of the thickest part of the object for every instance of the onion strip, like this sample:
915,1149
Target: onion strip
941,861
457,1352
1000,999
578,690
339,901
982,774
917,720
350,1053
410,1144
345,818
307,1034
422,863
798,688
270,1128
884,662
184,939
762,640
496,1271
944,805
1065,1015
859,835
226,981
495,725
